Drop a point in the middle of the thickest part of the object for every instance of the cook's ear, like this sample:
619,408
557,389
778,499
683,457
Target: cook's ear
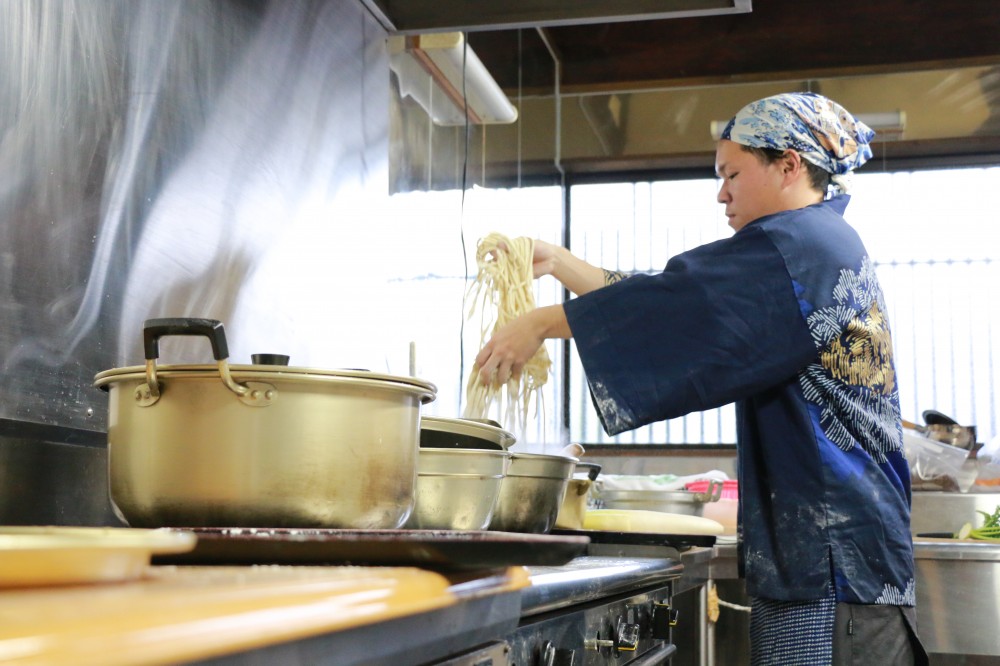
791,161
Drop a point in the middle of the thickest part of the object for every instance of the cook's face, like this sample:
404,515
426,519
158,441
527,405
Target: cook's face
750,188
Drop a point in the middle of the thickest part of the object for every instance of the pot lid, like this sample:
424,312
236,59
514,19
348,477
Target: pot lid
482,429
267,373
542,465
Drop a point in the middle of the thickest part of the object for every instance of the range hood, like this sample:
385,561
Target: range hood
422,16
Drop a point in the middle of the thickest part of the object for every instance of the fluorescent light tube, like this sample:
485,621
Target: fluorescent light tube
430,70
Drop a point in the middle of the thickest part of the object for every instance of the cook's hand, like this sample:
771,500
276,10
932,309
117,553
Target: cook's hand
574,273
506,353
543,262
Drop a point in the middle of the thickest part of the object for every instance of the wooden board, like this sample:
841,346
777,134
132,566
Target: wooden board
49,555
649,522
181,614
678,541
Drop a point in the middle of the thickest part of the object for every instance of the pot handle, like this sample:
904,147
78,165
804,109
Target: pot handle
712,493
154,329
593,469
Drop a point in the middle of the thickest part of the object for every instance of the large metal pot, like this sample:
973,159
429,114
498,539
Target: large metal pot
532,492
259,445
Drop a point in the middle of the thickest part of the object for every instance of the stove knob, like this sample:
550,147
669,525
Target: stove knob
553,656
597,643
627,636
664,617
639,614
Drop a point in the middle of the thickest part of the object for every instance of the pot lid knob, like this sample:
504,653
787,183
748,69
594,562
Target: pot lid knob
269,359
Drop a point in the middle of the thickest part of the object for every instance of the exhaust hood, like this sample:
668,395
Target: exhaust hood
423,16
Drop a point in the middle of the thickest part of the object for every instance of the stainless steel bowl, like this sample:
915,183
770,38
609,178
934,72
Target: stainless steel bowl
669,501
457,489
532,492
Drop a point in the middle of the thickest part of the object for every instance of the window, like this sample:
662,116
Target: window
924,230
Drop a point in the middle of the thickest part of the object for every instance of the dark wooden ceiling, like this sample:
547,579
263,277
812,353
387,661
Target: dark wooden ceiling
777,39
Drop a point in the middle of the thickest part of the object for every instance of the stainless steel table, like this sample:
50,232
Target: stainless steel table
958,596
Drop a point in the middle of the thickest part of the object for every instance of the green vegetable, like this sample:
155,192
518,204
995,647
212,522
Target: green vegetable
990,530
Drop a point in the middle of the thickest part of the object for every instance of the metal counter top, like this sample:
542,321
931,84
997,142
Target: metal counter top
719,562
722,557
700,563
958,585
593,577
954,549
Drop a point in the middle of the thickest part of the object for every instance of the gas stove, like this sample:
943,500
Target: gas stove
597,610
607,599
615,604
593,611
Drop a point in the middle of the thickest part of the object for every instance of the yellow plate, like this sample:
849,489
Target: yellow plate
32,556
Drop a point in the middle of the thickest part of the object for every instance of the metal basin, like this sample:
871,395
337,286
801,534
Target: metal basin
457,489
532,492
672,501
958,584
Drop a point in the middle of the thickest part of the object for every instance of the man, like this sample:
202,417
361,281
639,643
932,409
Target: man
787,319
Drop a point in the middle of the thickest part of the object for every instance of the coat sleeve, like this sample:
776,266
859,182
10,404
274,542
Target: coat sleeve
721,323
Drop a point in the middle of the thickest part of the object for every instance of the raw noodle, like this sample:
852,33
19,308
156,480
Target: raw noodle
503,289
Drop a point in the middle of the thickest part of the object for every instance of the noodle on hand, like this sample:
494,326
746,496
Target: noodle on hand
503,288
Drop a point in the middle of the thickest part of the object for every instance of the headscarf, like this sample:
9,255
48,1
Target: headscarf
822,131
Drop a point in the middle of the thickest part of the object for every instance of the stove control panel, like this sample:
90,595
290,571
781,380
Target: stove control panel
600,633
664,619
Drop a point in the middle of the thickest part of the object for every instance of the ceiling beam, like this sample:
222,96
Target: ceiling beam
778,40
421,16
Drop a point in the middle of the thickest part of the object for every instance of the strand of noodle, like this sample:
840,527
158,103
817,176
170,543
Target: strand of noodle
502,292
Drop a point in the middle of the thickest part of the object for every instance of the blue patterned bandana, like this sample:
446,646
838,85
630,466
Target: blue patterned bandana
822,131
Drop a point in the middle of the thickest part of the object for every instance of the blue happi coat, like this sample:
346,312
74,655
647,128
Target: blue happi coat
786,318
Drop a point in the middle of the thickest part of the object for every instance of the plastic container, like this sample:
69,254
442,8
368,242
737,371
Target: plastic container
730,489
